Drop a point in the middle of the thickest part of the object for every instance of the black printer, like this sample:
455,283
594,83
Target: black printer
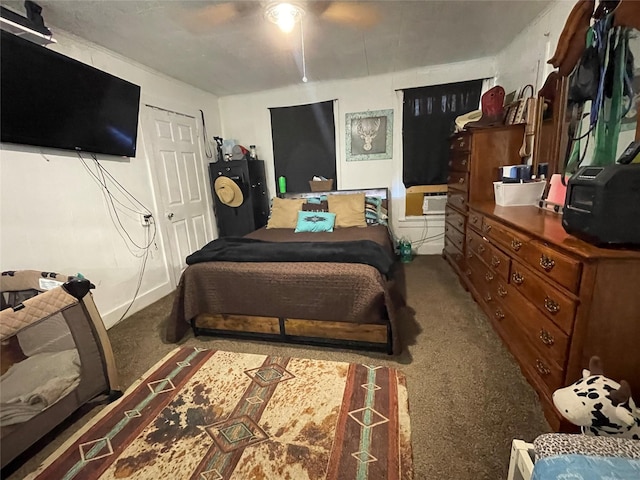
603,205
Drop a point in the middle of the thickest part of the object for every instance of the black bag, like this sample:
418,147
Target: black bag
585,79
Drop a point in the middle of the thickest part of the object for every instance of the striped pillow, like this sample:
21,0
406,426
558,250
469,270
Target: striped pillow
374,212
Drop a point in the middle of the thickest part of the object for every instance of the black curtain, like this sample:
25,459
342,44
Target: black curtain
304,144
428,115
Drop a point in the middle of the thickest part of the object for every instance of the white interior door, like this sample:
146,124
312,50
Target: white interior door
182,183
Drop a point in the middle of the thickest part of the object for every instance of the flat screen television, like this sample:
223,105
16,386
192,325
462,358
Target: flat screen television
50,100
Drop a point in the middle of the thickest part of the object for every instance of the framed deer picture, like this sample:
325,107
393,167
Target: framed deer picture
369,135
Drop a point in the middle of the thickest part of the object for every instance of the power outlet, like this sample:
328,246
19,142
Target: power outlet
146,219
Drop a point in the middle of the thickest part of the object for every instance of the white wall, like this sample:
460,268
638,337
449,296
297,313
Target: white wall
53,216
524,60
246,119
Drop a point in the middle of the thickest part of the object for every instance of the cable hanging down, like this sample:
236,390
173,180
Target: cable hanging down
115,206
304,63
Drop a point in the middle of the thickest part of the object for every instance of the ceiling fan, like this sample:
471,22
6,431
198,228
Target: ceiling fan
204,18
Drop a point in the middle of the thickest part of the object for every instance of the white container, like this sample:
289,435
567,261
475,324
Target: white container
514,194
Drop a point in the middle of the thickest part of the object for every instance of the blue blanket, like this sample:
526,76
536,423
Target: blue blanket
586,467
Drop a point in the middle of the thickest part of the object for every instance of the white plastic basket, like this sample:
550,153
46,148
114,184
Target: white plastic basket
514,194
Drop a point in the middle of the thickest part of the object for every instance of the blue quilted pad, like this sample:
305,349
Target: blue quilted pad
584,467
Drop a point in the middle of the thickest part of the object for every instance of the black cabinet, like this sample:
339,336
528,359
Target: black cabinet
253,212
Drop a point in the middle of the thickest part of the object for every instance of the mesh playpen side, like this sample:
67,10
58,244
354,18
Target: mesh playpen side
55,355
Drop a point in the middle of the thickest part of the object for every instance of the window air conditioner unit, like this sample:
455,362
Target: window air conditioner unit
434,203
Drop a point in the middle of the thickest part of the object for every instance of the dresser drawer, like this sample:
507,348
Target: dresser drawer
512,241
545,335
553,264
545,296
459,180
455,255
545,373
455,236
491,255
458,199
475,220
461,142
459,161
455,218
482,278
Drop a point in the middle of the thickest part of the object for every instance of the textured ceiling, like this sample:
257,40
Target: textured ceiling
229,48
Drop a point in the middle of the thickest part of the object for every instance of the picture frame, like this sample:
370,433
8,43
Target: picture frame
369,135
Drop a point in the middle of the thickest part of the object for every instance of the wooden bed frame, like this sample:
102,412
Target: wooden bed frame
366,336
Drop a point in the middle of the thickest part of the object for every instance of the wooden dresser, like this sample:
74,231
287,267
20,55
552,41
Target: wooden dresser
474,159
554,300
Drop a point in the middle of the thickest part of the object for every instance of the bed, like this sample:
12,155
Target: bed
323,302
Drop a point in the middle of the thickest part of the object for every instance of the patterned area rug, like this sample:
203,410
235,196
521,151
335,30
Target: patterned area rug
211,415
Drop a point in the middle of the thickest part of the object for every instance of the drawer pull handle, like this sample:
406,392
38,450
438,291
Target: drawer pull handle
487,228
495,262
452,147
468,273
464,162
551,305
487,297
501,291
460,223
488,277
461,180
499,314
474,219
518,278
469,254
481,249
542,368
516,244
546,263
546,337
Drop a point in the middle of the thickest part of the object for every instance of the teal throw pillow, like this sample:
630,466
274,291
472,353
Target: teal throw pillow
315,222
317,200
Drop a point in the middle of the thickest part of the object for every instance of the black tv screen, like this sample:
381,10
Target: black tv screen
50,100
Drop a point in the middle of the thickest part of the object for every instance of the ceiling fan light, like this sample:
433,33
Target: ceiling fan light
285,15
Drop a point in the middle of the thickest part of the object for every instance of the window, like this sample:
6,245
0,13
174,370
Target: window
304,144
428,116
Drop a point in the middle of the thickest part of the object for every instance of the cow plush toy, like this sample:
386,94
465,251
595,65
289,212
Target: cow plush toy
599,405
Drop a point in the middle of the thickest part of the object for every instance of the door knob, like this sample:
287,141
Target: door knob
169,216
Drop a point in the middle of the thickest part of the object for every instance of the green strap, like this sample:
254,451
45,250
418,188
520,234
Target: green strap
608,128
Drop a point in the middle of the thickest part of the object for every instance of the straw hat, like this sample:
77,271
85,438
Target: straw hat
228,191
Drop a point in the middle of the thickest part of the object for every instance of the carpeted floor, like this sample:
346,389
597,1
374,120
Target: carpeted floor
467,397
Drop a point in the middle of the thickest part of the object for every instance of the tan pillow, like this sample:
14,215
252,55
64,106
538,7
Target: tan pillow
349,209
284,212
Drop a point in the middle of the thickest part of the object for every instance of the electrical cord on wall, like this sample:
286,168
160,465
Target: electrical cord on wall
103,178
424,238
140,275
115,206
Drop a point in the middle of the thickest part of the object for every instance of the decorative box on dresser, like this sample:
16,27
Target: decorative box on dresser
474,158
554,300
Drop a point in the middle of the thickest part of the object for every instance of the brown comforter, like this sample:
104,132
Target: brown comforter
340,292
